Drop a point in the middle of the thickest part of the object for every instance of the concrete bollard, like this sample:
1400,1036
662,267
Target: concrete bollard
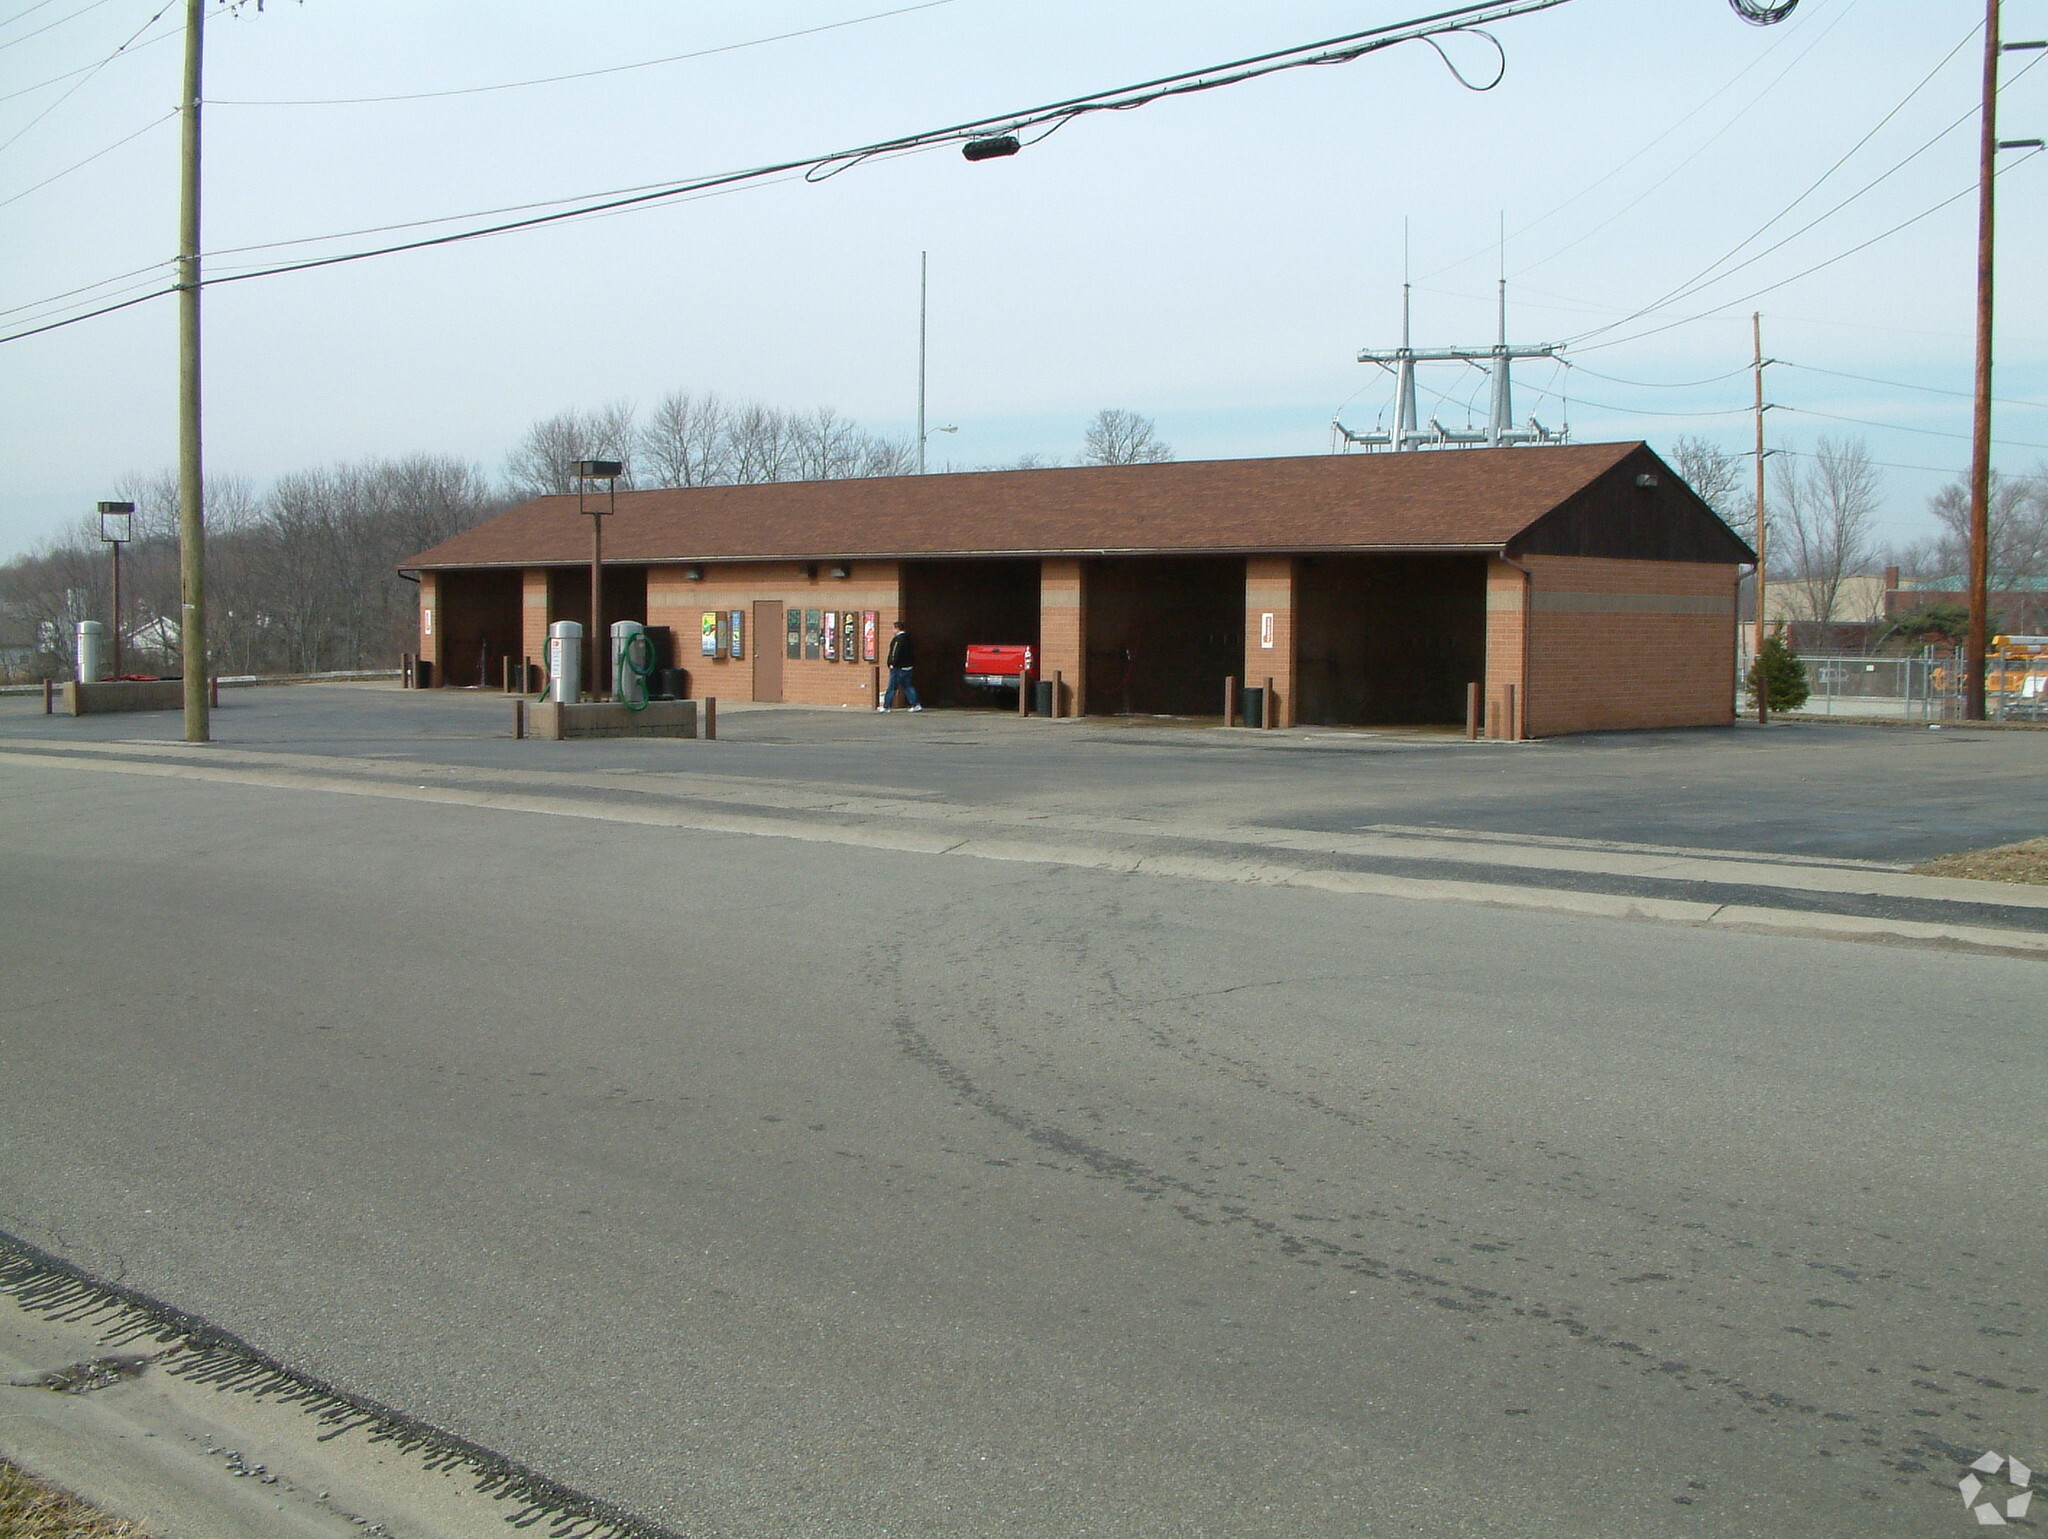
1230,700
1472,712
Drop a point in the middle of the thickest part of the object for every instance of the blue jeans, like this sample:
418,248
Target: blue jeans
899,678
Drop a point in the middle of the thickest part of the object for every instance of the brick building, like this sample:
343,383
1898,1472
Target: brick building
1582,587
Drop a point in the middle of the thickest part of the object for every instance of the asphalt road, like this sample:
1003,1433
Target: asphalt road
775,1188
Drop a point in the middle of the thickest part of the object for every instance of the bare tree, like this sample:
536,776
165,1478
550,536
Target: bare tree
1118,437
2017,520
1826,508
687,441
1720,480
539,466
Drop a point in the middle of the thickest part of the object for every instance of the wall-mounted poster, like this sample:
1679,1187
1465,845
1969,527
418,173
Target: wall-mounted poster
811,620
793,633
849,635
708,644
870,634
724,635
736,628
831,635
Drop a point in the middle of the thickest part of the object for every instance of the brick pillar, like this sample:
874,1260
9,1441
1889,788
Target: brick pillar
1507,651
431,621
533,614
1269,596
1063,628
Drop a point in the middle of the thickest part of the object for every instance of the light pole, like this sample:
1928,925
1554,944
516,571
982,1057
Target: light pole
585,472
116,525
925,437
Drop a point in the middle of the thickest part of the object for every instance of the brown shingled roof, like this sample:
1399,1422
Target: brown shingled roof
1472,499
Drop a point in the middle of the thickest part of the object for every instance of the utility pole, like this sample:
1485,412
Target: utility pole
923,272
191,462
1756,331
1980,421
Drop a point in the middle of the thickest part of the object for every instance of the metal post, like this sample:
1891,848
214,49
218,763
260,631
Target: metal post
595,669
49,697
116,544
923,270
191,463
1514,716
1980,420
1268,717
1059,684
1472,713
1230,700
1763,704
710,718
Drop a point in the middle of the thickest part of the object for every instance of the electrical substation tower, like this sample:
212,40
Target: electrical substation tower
1500,431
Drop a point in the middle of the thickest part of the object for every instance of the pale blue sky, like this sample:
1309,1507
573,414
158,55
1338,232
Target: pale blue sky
1214,262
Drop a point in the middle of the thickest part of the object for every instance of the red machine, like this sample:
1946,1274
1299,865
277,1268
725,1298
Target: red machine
994,667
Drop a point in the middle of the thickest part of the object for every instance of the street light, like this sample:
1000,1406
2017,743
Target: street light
117,521
585,472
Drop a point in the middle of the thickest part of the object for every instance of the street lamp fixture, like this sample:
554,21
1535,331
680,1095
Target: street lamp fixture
117,522
585,472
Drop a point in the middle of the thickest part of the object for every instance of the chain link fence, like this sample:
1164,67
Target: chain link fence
1927,686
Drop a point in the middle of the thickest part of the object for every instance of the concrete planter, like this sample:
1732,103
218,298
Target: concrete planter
606,718
123,695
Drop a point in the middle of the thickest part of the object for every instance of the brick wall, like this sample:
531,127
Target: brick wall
1063,629
1269,589
675,601
1621,644
430,631
1502,709
534,617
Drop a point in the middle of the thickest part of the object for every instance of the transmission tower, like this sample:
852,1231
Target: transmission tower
1497,361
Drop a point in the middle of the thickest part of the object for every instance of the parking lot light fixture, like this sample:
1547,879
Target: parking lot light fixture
585,472
117,522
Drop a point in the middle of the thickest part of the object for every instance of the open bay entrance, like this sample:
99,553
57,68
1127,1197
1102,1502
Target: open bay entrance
950,604
1163,633
1385,641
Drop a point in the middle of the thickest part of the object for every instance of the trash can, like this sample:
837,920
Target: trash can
1253,705
1042,701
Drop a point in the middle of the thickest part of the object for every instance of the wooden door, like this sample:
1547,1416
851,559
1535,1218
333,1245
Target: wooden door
767,644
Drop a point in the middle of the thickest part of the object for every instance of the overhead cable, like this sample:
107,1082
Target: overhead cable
1046,119
587,74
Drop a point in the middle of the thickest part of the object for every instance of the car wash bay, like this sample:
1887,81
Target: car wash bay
1353,640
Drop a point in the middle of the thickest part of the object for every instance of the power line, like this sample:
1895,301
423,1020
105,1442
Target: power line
1708,275
87,75
26,11
588,74
1899,384
51,26
1648,384
1899,427
1601,181
95,155
1047,119
1709,143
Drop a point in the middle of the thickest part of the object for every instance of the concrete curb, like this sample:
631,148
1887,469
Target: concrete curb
964,839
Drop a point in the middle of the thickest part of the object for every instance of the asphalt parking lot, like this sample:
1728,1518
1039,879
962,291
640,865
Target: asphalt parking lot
1836,789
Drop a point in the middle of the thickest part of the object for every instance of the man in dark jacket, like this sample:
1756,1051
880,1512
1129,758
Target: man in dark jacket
902,658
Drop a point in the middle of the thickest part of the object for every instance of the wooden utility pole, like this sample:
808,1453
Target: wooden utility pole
1763,705
191,461
1980,423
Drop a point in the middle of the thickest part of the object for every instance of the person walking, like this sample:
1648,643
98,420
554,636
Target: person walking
902,659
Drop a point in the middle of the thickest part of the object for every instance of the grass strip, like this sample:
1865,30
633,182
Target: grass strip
35,1509
2026,861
